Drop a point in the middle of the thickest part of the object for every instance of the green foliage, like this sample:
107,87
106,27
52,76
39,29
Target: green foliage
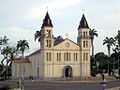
93,33
38,35
22,45
6,87
3,40
117,38
58,39
93,72
93,66
109,42
102,59
99,63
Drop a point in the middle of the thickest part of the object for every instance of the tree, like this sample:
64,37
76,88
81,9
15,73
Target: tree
92,34
109,42
39,35
8,54
93,66
117,38
22,45
58,38
102,60
3,40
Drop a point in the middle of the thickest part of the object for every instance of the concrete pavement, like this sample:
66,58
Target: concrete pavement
115,88
64,85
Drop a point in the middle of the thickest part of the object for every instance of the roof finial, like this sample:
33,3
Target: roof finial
47,8
83,11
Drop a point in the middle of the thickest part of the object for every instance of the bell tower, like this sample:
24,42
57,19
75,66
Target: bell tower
83,33
47,30
83,41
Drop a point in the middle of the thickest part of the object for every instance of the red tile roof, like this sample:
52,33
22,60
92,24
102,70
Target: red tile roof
36,52
21,60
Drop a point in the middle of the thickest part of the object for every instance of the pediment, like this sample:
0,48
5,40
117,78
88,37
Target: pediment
66,44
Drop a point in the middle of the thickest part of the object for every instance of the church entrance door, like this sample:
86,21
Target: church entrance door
68,71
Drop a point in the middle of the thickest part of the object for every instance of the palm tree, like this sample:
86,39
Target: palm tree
39,35
22,45
109,42
58,38
92,34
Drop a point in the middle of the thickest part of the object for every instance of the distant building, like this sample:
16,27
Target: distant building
56,60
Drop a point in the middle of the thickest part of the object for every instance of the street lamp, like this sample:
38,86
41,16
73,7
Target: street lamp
22,72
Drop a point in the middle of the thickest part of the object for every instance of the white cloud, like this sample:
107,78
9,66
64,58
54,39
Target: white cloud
37,10
15,34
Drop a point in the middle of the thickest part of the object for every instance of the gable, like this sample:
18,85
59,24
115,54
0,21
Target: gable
67,44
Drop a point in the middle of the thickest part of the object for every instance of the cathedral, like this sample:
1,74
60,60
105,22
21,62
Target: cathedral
60,59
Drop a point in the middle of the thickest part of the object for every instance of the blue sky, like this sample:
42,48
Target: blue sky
19,19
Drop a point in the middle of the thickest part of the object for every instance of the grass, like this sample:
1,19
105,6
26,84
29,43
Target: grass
6,87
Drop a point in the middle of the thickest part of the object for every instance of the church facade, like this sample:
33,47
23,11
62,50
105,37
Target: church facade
64,58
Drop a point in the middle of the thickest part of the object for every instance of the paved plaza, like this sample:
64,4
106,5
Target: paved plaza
44,85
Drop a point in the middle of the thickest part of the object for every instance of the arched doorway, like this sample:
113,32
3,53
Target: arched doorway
68,71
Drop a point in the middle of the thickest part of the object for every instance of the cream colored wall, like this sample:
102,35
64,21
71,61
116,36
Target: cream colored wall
85,63
16,69
28,69
52,38
13,70
62,45
55,68
37,62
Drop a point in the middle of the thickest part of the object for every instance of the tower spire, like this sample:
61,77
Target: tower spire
83,23
47,21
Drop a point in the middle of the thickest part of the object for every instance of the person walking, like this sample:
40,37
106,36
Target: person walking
103,82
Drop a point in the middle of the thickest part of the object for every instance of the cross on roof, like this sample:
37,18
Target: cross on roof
47,8
66,35
83,10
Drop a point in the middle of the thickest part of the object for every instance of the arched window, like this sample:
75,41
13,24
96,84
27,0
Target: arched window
47,33
49,43
76,56
84,34
86,56
87,44
67,56
49,56
84,44
46,43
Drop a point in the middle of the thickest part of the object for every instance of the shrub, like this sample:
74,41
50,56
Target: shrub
6,87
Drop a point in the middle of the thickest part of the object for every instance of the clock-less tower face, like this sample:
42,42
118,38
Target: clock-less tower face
67,44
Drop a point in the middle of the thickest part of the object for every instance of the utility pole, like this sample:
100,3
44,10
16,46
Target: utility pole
22,72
